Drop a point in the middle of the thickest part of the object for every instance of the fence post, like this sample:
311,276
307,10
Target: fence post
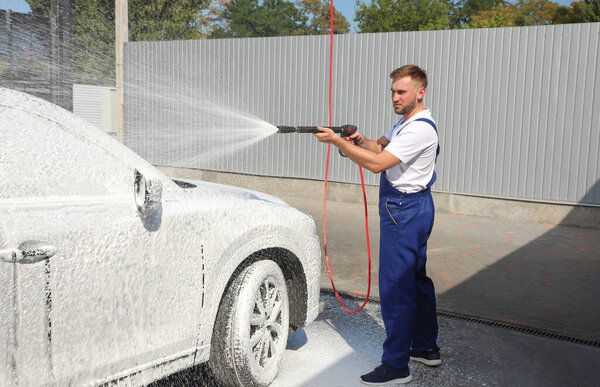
61,62
121,36
10,43
54,52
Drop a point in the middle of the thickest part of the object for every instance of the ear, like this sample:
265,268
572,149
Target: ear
421,93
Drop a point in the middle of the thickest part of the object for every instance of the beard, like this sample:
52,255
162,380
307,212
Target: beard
406,108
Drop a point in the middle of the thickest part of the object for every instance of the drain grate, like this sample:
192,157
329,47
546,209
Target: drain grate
492,323
520,329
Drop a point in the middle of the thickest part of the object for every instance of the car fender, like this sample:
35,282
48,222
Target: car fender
305,247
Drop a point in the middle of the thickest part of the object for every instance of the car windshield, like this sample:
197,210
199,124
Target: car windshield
49,151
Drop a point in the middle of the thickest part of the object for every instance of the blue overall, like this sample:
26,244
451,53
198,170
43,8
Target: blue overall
407,294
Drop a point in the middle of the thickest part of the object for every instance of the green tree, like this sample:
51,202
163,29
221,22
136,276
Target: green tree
165,19
499,16
565,14
253,18
319,12
465,9
521,13
591,11
534,12
402,15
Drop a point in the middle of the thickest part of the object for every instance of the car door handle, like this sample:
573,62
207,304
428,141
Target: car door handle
28,252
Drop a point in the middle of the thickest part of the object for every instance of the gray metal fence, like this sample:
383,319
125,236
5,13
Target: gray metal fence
518,109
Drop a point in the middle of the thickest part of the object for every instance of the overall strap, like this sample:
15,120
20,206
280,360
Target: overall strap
437,152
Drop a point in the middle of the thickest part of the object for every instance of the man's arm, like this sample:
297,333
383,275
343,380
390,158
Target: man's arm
376,160
376,146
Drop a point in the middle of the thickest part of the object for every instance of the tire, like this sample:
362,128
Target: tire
251,330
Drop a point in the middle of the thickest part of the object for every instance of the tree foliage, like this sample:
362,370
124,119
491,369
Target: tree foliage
254,18
533,12
587,11
165,19
530,13
319,13
591,11
467,8
406,15
497,17
402,15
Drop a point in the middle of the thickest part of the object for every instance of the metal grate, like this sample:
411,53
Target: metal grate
519,328
492,323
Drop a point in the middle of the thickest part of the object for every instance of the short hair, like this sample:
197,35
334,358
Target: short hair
413,71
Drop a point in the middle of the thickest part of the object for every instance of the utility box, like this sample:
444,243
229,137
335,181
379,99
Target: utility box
96,104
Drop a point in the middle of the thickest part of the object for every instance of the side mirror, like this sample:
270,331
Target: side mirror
148,194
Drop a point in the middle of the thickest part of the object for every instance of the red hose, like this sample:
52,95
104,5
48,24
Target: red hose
362,181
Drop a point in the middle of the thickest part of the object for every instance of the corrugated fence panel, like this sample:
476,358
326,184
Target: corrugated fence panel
517,108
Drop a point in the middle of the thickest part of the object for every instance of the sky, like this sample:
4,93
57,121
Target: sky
346,7
16,5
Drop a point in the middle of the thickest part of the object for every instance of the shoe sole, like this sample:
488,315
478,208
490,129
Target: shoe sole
394,381
427,362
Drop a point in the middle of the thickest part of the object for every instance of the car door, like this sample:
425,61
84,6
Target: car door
91,292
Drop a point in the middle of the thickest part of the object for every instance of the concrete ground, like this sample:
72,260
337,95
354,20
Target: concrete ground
528,274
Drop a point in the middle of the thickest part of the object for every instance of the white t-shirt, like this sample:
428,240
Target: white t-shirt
415,144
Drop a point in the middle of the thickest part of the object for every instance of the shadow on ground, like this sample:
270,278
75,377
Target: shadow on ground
551,283
200,375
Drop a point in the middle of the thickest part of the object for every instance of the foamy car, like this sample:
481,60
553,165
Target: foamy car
111,271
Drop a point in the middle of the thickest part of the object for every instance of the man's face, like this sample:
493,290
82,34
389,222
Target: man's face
405,95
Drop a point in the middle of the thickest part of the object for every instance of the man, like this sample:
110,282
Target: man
406,155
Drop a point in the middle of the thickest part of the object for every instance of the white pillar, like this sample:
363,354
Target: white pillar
121,36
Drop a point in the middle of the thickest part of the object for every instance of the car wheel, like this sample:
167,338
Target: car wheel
250,333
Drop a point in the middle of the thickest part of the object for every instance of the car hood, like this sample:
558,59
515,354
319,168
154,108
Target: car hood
202,194
225,191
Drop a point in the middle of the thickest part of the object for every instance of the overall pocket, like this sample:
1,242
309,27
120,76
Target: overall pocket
400,211
392,208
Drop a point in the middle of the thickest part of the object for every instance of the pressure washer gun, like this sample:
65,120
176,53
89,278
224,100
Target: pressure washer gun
344,130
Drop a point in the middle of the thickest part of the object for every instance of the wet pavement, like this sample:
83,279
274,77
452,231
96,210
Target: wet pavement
338,347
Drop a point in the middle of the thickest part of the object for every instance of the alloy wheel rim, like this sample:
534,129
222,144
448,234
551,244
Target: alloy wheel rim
265,323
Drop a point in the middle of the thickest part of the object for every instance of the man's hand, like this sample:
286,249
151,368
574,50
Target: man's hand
375,160
328,136
356,138
362,141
